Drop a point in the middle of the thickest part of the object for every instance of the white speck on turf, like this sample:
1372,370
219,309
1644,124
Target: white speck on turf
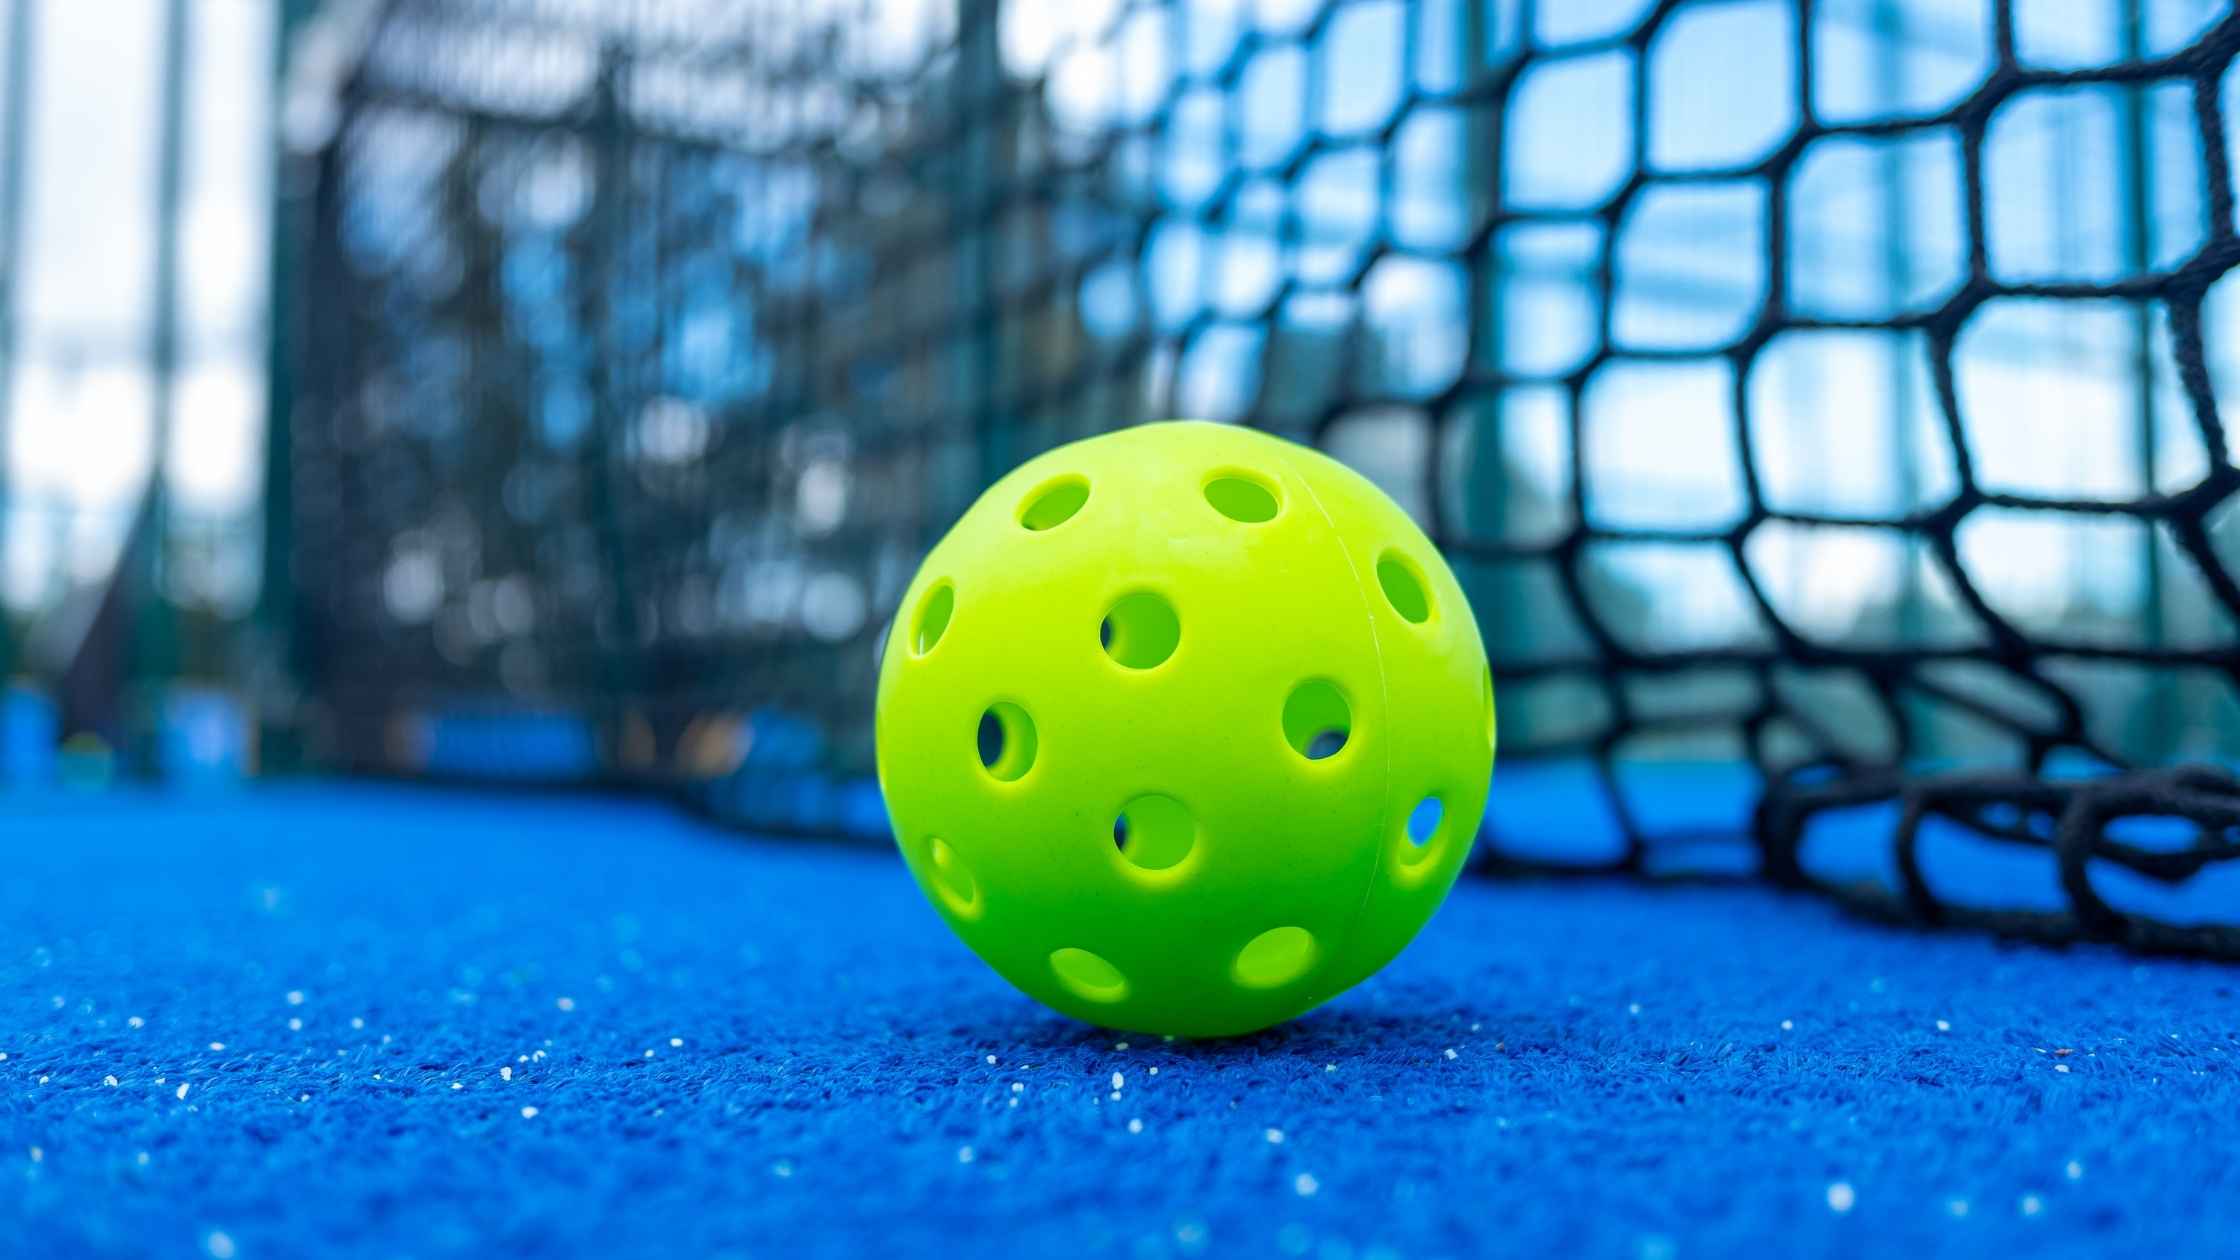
1115,1095
1275,1137
521,1058
964,1155
783,1168
674,1042
1450,1052
44,1079
219,1244
136,1022
182,1092
991,1060
1944,1025
565,1004
217,1045
1329,1067
1958,1207
295,1025
2062,1068
528,1113
457,1085
295,997
1841,1197
1633,1008
303,1098
357,1021
1135,1126
1018,1087
38,1156
2075,1170
649,1054
1154,1071
2032,1205
1119,1081
141,1159
505,1073
109,1081
1305,1185
1788,1025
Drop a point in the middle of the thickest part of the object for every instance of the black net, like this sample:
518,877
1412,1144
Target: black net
1827,389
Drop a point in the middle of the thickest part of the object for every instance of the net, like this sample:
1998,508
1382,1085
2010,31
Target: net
1828,389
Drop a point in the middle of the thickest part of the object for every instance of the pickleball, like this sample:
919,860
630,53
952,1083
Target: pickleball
1185,728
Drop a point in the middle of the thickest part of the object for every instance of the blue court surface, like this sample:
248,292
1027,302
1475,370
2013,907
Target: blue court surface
386,1021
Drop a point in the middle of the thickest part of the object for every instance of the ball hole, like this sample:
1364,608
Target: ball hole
952,881
934,612
1275,957
1141,631
1403,587
1054,504
1242,497
1155,832
1087,975
1007,741
1423,820
1317,721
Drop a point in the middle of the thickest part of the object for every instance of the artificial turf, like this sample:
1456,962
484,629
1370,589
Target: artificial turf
354,1020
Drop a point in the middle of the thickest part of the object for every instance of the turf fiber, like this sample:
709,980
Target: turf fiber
377,1021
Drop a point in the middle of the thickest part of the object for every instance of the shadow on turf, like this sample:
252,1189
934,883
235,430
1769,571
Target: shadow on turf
1316,1035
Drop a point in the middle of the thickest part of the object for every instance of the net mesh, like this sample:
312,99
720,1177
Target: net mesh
1828,389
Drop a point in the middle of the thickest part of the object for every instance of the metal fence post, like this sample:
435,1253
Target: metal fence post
14,133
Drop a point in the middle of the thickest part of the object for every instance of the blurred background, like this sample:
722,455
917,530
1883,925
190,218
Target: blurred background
136,188
564,390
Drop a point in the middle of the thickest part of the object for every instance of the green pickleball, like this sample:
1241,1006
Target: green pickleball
1185,728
